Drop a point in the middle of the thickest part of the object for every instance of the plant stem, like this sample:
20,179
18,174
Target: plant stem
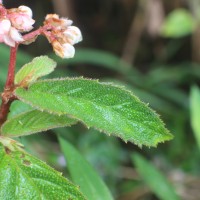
7,95
32,35
11,69
4,110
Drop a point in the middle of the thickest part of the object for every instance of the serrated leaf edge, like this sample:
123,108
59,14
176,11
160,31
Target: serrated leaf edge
168,137
58,174
35,59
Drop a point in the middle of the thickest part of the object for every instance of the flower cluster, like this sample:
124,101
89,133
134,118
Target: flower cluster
13,22
62,35
59,31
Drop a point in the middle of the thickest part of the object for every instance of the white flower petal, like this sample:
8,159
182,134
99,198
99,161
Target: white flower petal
69,50
66,22
26,10
5,25
73,34
15,35
8,40
27,24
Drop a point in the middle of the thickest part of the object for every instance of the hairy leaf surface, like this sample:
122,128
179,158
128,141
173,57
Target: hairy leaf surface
18,107
40,66
34,121
101,105
23,176
83,174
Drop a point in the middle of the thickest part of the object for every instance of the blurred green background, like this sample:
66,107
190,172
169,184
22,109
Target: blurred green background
152,47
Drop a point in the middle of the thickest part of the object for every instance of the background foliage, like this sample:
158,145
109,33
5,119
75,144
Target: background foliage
152,47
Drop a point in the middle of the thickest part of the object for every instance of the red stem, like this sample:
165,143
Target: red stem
4,110
40,31
11,69
7,95
33,34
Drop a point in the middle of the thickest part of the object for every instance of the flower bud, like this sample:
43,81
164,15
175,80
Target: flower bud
63,50
73,34
62,35
26,10
69,50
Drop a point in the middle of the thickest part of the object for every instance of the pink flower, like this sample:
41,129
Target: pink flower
13,22
4,26
21,18
8,34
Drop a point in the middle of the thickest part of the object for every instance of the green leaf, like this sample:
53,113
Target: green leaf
34,121
100,105
195,110
23,176
156,181
40,66
83,174
18,107
178,23
22,58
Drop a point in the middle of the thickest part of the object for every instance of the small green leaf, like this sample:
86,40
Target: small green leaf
18,107
34,121
178,23
23,176
195,111
40,66
100,105
83,174
154,179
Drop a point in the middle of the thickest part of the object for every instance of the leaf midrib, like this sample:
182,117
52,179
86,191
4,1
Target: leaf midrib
104,106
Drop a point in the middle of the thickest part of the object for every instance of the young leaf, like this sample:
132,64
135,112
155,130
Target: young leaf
100,105
154,179
195,110
178,23
40,66
34,121
83,174
23,176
